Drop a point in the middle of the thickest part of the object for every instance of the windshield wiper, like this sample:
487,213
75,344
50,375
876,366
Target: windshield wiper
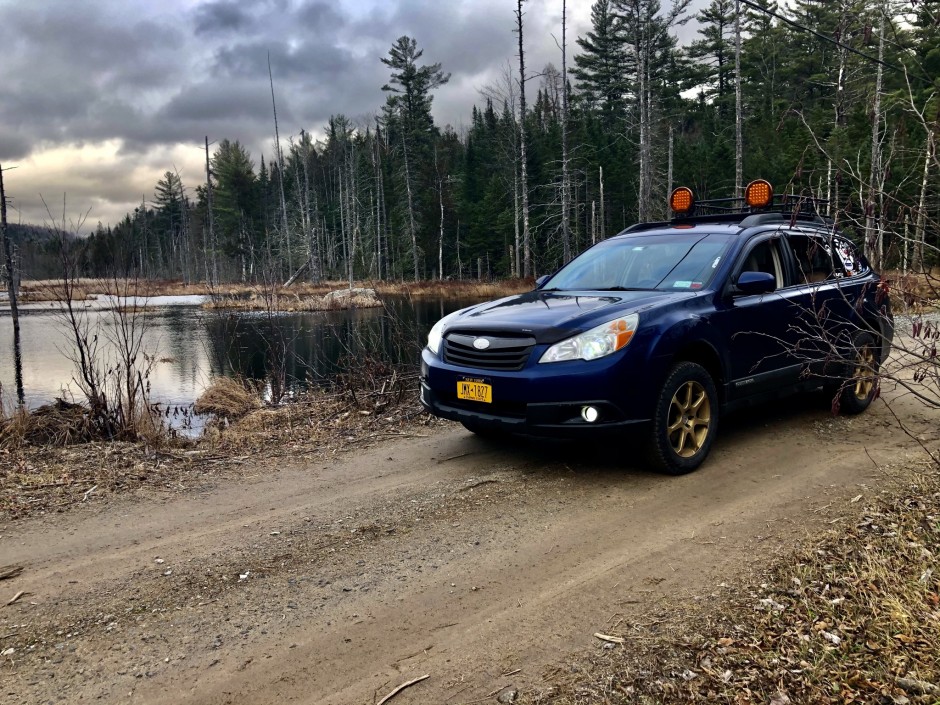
623,288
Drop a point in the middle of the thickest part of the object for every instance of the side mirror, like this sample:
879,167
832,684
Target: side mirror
540,282
751,283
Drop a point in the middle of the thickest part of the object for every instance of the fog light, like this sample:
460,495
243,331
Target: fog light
589,414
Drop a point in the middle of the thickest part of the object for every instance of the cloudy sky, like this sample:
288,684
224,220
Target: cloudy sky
100,97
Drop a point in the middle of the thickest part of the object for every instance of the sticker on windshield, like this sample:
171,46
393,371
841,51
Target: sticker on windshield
715,263
682,285
696,285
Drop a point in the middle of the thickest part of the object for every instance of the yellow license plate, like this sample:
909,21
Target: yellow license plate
475,391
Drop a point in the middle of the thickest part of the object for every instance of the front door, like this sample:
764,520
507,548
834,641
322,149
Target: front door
758,329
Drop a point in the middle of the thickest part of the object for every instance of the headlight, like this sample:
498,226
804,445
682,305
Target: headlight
597,342
437,331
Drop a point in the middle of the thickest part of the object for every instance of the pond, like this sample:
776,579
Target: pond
192,345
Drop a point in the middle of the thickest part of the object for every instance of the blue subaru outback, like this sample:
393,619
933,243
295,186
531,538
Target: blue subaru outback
666,326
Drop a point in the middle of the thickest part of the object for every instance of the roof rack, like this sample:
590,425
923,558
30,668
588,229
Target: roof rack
781,209
784,205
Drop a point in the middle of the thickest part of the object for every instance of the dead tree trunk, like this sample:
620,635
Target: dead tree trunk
412,228
738,114
212,242
874,243
565,175
523,167
280,173
642,61
12,292
921,223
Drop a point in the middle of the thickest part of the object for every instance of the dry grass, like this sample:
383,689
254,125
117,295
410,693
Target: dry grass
289,301
464,288
227,398
51,289
914,293
364,408
852,618
58,424
34,291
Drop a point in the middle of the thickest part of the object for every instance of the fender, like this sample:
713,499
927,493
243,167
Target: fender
684,330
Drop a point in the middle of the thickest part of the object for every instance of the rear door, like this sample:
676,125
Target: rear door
827,286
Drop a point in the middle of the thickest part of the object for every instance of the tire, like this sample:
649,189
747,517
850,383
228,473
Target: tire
860,375
685,420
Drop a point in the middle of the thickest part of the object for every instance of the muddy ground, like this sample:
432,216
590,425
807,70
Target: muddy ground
483,564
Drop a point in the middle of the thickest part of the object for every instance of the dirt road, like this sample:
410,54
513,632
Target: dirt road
447,555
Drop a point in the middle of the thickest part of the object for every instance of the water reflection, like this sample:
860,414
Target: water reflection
192,345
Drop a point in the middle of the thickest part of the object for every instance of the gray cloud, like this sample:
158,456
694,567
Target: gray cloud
152,76
216,17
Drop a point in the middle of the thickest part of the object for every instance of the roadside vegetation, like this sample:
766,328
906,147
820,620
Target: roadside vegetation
851,616
52,460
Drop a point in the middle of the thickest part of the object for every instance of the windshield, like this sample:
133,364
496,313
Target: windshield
674,261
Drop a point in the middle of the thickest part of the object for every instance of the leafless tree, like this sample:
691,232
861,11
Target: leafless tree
523,168
12,293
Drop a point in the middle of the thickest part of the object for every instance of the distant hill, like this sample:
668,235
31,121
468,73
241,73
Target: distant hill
34,234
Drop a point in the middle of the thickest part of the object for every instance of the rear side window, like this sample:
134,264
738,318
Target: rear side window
814,259
821,259
847,254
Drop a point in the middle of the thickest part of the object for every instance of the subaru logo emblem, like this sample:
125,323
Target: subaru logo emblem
481,343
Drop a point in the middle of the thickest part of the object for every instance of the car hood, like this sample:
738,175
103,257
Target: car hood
551,316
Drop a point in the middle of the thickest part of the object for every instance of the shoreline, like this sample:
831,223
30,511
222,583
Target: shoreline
40,291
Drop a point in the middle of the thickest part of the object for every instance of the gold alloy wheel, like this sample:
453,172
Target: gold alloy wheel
864,372
690,415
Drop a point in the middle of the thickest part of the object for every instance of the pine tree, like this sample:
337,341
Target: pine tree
602,67
408,116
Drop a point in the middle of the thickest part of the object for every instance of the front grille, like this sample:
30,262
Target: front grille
503,353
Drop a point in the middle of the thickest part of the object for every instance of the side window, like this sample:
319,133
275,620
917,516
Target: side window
814,260
765,257
847,254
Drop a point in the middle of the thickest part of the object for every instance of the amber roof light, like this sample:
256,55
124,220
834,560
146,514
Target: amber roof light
759,194
681,201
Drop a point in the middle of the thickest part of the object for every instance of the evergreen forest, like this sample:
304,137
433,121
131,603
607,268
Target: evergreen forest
834,99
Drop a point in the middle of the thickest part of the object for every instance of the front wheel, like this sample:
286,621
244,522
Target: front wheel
685,420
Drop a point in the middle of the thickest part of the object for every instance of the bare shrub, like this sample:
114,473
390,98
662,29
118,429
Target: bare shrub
112,368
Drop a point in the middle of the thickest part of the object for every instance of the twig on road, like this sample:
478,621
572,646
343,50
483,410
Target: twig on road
16,597
401,688
477,484
608,638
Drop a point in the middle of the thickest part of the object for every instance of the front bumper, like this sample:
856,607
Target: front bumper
541,400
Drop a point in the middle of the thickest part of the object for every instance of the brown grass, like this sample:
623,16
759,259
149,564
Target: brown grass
915,293
51,289
288,302
34,291
854,617
58,424
227,398
464,288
